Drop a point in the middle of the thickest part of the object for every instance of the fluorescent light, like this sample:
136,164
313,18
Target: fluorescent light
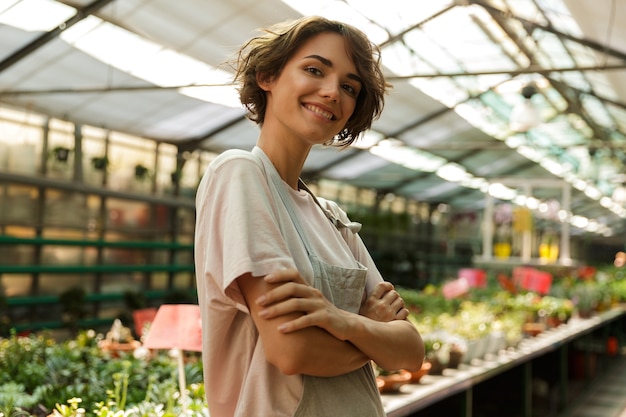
395,151
579,221
452,172
592,192
151,62
501,191
524,117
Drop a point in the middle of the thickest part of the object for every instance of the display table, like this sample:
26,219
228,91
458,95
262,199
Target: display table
432,389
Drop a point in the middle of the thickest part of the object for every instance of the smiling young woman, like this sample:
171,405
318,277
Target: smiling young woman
294,310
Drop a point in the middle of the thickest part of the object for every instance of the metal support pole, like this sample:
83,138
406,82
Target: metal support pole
468,403
566,201
563,377
527,406
488,228
527,233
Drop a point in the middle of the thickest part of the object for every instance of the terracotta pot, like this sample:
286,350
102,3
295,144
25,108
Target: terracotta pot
393,382
116,349
533,329
424,370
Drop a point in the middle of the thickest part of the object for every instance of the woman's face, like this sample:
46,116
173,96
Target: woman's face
315,94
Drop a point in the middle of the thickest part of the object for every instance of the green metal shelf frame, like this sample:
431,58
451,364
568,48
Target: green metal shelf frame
99,268
12,240
38,300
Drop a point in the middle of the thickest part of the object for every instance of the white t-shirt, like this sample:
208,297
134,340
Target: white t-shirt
240,229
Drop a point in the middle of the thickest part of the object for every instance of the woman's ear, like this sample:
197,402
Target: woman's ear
264,81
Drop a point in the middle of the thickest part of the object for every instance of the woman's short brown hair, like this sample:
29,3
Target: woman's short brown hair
268,53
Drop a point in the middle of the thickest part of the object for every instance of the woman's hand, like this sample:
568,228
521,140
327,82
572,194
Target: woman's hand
384,304
295,295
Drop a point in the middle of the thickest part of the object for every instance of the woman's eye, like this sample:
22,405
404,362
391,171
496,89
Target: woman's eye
313,70
350,89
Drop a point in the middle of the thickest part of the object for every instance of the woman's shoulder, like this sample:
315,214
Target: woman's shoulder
234,156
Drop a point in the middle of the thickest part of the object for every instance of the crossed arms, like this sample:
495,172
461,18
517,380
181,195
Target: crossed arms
304,333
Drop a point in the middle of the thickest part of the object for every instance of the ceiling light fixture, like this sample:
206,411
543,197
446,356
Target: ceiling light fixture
525,115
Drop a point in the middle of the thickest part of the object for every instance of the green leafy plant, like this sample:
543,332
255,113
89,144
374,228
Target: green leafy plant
77,378
61,153
100,163
141,172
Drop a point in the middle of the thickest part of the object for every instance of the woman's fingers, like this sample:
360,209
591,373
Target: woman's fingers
287,283
304,305
403,314
284,275
381,289
384,304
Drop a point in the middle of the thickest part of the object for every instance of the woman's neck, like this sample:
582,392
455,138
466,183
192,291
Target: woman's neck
288,157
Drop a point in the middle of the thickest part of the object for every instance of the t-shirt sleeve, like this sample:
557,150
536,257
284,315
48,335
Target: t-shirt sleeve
237,224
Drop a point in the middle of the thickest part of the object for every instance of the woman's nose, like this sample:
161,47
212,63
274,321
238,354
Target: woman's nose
330,89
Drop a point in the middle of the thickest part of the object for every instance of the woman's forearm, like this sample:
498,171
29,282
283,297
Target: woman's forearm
392,345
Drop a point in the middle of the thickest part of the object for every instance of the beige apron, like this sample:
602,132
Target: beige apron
349,395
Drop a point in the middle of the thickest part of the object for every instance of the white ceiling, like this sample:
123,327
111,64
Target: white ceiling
497,44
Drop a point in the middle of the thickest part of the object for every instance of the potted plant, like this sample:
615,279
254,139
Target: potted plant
141,172
586,295
391,381
417,376
73,306
61,153
176,175
100,163
119,340
438,361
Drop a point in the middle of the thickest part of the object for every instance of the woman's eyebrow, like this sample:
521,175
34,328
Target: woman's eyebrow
329,63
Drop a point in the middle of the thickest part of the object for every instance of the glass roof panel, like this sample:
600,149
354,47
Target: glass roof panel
601,85
400,59
441,89
556,52
425,47
596,110
560,18
35,15
394,15
527,9
584,56
356,166
619,115
574,79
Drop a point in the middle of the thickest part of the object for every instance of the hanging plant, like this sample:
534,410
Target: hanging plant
141,172
61,153
176,176
100,162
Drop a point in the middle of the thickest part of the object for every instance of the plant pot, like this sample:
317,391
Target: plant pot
117,349
436,367
393,382
455,359
100,163
61,154
533,329
141,172
424,370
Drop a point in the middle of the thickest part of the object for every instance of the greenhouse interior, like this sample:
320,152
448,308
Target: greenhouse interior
491,193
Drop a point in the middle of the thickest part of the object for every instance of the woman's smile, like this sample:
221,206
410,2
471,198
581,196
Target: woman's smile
327,114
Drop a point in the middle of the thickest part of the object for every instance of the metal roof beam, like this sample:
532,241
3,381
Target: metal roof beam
534,25
527,70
